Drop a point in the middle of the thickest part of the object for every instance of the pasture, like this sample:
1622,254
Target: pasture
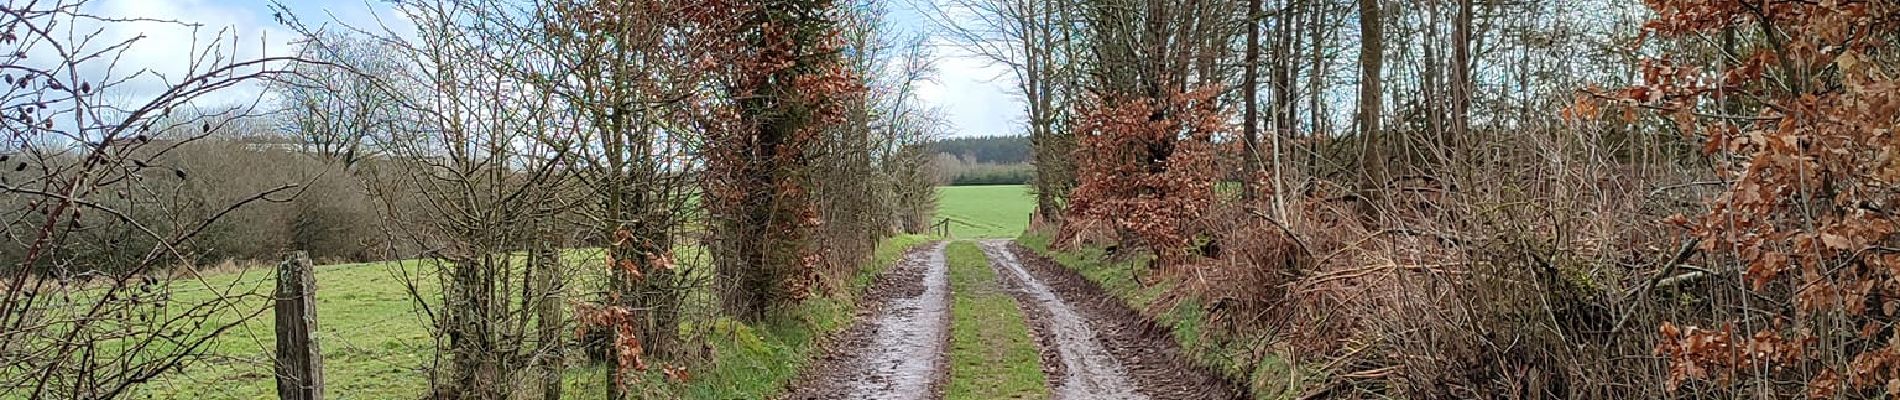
985,211
376,344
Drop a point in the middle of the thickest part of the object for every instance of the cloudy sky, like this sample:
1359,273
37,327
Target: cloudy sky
973,95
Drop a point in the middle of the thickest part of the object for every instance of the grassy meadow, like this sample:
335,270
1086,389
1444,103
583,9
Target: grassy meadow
376,344
985,211
373,338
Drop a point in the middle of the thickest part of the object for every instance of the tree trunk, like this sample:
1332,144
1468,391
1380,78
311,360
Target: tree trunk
475,370
1250,100
1285,111
1371,66
1315,85
1461,75
549,321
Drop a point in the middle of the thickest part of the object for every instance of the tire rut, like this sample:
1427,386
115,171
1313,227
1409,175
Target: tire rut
1093,346
896,347
1087,369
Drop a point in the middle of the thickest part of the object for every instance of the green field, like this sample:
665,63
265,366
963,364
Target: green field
373,340
985,211
376,344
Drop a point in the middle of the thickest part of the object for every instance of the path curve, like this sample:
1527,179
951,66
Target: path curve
896,348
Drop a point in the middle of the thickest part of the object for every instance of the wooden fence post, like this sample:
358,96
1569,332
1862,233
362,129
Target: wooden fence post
299,363
548,318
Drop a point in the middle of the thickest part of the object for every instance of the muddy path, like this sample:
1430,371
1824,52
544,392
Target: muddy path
895,347
1094,347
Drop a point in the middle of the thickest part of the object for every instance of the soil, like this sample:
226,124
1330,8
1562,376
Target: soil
895,347
1093,346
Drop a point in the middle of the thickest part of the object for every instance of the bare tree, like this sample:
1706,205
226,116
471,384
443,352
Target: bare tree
869,178
845,183
1034,38
82,136
338,110
907,127
618,70
479,178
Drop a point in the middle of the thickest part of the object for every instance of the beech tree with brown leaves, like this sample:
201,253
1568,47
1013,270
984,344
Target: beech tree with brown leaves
1145,152
1807,217
1148,177
634,72
785,83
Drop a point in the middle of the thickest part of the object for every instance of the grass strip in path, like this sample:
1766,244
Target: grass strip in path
992,354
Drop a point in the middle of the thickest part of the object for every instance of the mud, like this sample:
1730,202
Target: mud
1093,346
896,347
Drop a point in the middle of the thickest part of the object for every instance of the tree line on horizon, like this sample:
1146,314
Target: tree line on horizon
982,160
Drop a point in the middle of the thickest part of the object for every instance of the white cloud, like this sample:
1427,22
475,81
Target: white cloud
977,97
173,35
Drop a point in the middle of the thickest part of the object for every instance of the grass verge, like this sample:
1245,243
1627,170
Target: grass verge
992,353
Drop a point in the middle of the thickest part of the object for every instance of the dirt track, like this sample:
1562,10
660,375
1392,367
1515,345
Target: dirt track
895,350
1092,346
1087,370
